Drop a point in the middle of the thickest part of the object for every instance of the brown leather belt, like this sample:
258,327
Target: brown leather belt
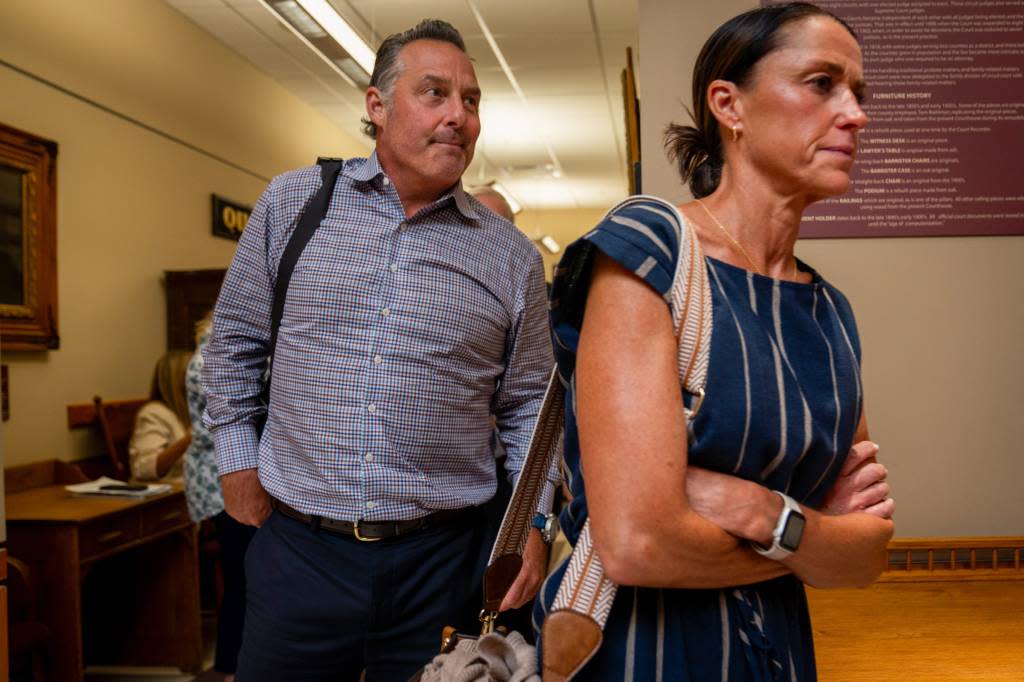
371,531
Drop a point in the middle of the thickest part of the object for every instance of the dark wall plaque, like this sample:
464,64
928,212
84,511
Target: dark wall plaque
229,218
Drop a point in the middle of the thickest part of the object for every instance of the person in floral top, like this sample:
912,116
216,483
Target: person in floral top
205,501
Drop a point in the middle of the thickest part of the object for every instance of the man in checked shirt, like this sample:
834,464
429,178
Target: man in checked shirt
412,315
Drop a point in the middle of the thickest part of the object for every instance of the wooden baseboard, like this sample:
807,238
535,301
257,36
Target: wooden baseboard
955,558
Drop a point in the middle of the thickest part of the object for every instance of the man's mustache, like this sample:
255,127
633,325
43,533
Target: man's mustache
450,138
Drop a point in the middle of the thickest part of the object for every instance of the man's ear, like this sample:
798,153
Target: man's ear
376,109
725,104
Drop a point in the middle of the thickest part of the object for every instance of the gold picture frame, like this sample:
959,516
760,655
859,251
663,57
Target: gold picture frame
28,242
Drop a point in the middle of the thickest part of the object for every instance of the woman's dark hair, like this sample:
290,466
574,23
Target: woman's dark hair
729,54
388,67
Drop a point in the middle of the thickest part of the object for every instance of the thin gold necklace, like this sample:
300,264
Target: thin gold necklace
740,246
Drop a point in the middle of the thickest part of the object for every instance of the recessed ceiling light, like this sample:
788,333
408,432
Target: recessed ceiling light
550,243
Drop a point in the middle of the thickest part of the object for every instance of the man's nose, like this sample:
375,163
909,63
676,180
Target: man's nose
455,115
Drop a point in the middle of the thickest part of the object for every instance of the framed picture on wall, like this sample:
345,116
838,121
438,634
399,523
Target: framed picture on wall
28,241
631,105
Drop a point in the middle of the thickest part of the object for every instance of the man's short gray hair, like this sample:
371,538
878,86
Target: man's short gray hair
388,68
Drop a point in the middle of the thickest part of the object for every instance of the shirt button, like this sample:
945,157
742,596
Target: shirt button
370,505
385,311
369,457
402,225
386,181
377,359
394,267
371,408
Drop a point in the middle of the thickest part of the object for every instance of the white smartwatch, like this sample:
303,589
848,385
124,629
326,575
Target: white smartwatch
788,531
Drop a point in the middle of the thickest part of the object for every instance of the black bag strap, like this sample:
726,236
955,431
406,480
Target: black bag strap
312,215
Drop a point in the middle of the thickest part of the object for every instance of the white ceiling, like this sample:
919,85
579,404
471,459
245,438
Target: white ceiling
567,56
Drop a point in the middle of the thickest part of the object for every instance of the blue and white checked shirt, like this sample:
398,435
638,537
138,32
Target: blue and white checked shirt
400,337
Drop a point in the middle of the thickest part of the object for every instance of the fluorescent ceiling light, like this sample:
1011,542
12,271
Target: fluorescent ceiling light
291,11
513,203
339,29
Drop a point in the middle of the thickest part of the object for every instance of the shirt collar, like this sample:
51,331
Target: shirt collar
463,203
366,171
370,169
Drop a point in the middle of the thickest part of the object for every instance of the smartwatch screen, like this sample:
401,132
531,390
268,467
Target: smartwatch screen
793,531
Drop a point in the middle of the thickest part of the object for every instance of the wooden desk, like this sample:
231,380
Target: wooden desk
124,571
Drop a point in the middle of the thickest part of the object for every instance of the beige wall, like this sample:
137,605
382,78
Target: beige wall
131,203
940,320
565,225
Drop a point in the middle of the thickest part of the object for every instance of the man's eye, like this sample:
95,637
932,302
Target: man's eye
823,83
433,92
471,102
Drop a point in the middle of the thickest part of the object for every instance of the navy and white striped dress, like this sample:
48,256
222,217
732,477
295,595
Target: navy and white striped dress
783,401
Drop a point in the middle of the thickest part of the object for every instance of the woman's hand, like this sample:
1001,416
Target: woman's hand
861,486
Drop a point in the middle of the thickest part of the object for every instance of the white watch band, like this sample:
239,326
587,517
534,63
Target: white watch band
788,531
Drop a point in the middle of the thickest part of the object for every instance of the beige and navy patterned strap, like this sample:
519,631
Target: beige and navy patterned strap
545,449
585,591
691,313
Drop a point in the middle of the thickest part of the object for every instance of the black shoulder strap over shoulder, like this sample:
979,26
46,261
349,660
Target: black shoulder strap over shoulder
312,215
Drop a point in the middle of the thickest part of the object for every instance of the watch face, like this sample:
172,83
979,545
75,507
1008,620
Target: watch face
793,531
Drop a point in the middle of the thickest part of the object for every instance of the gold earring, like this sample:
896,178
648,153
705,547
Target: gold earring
735,135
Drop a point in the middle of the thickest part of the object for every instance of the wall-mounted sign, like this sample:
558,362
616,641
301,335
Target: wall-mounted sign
943,154
229,218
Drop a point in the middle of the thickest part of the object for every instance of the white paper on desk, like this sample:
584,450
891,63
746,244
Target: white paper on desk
93,488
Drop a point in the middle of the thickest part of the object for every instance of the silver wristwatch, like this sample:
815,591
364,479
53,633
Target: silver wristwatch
547,524
788,531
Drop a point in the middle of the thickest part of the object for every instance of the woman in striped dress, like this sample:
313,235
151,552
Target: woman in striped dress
777,96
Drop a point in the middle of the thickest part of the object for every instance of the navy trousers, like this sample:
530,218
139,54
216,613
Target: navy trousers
322,606
234,539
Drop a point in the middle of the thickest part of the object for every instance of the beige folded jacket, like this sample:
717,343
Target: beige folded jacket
492,658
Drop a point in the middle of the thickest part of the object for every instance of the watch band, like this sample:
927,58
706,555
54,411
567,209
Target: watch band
788,532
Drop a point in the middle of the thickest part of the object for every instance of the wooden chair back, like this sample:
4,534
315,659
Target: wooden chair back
117,421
